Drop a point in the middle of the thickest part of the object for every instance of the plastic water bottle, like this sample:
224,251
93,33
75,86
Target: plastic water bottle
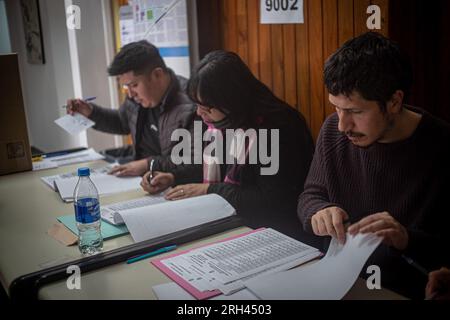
87,214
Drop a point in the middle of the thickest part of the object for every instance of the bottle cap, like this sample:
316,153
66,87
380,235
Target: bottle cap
83,172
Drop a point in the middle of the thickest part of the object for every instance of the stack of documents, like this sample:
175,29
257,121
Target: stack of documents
112,213
329,279
224,266
66,159
50,180
106,184
257,264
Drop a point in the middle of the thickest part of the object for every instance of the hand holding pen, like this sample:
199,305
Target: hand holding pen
157,182
79,105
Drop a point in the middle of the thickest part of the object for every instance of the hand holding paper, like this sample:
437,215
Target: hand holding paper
74,124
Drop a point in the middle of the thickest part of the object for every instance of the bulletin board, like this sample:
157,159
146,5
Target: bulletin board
164,23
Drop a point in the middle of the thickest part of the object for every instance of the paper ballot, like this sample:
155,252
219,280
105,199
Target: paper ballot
74,124
329,279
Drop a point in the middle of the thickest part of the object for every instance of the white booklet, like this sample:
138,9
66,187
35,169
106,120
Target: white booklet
159,219
112,213
106,184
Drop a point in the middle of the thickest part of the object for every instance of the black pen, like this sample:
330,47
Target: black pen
414,264
85,100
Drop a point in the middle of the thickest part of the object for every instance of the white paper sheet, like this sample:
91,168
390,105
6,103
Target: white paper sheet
281,12
74,124
168,217
172,291
328,279
105,183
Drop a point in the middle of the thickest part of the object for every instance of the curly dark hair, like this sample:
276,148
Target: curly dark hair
139,57
370,64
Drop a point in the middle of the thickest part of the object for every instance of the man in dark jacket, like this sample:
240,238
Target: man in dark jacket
156,105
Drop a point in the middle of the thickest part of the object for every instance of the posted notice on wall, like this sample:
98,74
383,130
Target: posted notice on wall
281,11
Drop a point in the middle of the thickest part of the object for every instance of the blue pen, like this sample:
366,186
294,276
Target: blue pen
85,100
151,254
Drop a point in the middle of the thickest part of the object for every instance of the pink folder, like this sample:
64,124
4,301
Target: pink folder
184,284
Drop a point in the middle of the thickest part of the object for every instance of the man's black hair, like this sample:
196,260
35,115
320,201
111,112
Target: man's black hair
370,64
139,57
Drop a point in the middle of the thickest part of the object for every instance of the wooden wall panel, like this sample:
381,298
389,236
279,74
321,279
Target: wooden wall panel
265,54
346,26
290,76
316,64
242,30
360,16
289,59
303,66
253,36
330,42
277,61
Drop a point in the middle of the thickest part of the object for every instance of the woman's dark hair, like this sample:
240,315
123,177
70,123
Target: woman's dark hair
139,57
371,65
223,81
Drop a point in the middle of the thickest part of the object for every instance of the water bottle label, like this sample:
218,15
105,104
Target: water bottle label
87,210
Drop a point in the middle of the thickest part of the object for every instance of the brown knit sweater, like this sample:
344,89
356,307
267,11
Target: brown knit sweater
409,179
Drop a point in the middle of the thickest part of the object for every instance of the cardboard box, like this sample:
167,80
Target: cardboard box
15,153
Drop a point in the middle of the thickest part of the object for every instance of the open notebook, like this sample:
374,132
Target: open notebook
167,217
112,212
157,219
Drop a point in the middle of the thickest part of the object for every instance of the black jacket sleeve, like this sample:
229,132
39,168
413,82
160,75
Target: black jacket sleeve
110,120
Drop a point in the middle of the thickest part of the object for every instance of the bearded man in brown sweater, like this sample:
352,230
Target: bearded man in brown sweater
380,165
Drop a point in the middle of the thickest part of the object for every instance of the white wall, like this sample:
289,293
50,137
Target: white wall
5,44
47,87
94,42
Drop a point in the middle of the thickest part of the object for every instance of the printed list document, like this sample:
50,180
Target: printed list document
329,279
159,219
112,213
74,124
224,265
